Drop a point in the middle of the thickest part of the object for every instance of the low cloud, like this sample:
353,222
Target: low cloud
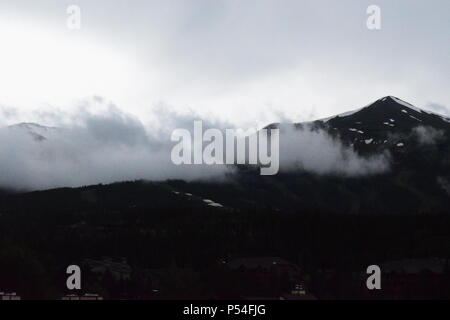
93,146
439,108
428,135
318,152
101,147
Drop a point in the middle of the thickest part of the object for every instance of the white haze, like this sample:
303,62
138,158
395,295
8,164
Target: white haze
93,148
428,135
318,152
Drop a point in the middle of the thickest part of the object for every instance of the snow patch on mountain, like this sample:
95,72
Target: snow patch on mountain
406,104
212,203
398,101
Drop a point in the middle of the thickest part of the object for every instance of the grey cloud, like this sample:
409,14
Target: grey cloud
94,148
291,52
316,151
115,127
428,135
439,108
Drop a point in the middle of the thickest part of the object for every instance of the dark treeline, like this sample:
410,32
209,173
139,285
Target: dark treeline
154,228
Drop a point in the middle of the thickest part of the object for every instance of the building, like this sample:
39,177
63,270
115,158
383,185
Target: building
85,297
9,296
415,277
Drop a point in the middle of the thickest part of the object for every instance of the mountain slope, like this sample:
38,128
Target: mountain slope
417,143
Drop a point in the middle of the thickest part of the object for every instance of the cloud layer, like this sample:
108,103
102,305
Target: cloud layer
92,146
242,60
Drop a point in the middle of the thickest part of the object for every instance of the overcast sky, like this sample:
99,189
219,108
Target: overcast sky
241,61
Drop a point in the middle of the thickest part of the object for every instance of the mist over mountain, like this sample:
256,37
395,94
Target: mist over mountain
384,138
90,148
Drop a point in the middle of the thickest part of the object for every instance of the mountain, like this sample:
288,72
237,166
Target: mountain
415,144
386,109
176,234
36,131
417,140
380,125
385,122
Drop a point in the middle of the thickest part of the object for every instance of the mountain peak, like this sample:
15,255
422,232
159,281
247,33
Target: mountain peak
387,98
37,131
379,122
388,106
394,101
390,97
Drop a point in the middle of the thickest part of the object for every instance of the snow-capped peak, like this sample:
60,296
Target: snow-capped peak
388,101
402,103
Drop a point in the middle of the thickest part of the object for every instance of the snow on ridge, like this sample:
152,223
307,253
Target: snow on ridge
345,114
342,115
406,104
349,113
